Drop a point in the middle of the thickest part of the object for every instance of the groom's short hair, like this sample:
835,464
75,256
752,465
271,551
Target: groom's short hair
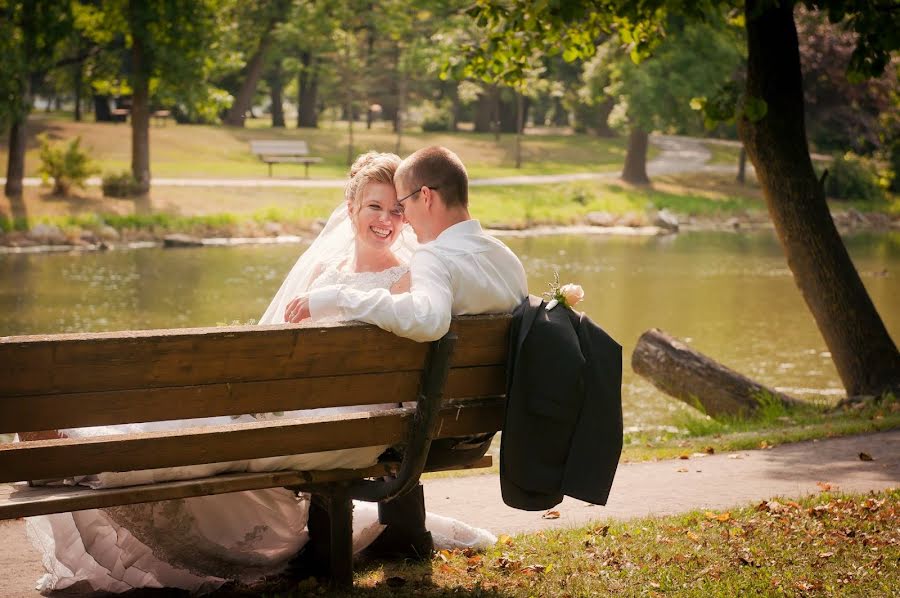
440,168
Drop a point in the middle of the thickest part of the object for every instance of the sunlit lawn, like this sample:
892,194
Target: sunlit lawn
825,545
204,151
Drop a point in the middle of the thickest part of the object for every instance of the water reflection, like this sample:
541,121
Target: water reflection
731,295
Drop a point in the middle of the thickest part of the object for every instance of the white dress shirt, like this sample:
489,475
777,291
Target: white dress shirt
463,271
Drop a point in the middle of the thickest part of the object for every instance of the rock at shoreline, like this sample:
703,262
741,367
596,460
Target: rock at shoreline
180,240
601,219
108,233
47,234
666,220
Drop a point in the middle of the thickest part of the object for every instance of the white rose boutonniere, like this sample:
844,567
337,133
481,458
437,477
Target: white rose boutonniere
567,295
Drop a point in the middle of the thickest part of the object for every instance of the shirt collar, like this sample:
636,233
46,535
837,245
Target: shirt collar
466,227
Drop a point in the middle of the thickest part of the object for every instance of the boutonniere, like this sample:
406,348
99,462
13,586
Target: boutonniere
567,295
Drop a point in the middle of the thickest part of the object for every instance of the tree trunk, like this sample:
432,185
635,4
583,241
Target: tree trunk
602,123
635,170
140,103
252,73
742,167
862,350
79,74
401,109
308,83
102,112
689,376
276,86
15,164
520,125
485,110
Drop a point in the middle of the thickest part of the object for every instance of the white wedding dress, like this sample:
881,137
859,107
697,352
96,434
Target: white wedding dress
200,543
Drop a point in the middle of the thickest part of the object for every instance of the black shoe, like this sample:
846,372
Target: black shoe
398,543
305,564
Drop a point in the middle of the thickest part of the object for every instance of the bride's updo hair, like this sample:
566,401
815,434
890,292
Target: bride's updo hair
370,167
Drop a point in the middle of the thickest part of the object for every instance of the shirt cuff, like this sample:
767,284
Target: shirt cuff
323,303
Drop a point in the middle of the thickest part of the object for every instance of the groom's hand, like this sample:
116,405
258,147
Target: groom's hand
297,310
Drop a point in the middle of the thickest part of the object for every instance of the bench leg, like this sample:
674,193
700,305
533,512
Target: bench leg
306,174
269,164
340,509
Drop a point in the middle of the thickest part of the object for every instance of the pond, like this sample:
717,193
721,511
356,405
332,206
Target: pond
730,295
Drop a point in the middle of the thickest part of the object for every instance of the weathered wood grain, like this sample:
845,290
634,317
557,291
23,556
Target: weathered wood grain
20,500
74,410
51,459
688,375
69,363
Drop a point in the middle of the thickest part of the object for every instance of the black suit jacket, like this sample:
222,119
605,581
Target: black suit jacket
562,432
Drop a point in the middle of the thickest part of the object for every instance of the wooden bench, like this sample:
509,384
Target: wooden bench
278,151
74,380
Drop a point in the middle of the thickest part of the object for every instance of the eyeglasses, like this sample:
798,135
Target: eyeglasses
402,199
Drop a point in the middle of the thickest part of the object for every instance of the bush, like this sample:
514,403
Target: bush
436,117
68,165
853,177
120,185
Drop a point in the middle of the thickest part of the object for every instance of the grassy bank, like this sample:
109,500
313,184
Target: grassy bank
206,151
222,211
830,544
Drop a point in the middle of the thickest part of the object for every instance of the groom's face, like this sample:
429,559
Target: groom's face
414,209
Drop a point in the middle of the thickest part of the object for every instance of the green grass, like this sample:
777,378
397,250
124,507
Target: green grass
772,425
723,154
205,151
829,544
178,209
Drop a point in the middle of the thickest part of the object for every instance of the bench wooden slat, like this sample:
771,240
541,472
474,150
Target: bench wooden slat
52,459
279,147
68,363
19,500
76,410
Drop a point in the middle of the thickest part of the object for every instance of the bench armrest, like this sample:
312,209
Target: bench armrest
422,429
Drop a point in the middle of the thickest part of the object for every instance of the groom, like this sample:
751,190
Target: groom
458,270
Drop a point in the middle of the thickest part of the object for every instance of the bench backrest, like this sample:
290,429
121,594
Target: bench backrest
279,148
77,380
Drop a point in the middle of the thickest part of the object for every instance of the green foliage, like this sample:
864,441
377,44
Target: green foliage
122,184
67,164
853,177
436,116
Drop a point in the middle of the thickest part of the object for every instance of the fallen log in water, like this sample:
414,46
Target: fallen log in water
678,370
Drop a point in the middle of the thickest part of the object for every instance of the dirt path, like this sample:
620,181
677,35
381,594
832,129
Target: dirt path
658,488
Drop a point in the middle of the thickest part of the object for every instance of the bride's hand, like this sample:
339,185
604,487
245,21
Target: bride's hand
297,310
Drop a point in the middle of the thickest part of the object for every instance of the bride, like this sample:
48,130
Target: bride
198,544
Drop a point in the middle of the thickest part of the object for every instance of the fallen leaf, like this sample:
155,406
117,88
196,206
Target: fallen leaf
395,582
505,540
550,515
444,555
532,569
474,560
684,457
825,555
709,450
682,470
865,457
653,584
694,537
824,486
764,444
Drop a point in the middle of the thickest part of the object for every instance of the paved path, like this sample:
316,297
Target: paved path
658,488
678,154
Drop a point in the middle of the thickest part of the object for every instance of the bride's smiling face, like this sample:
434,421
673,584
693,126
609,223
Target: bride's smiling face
377,216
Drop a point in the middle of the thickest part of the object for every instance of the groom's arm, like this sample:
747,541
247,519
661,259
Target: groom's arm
422,314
